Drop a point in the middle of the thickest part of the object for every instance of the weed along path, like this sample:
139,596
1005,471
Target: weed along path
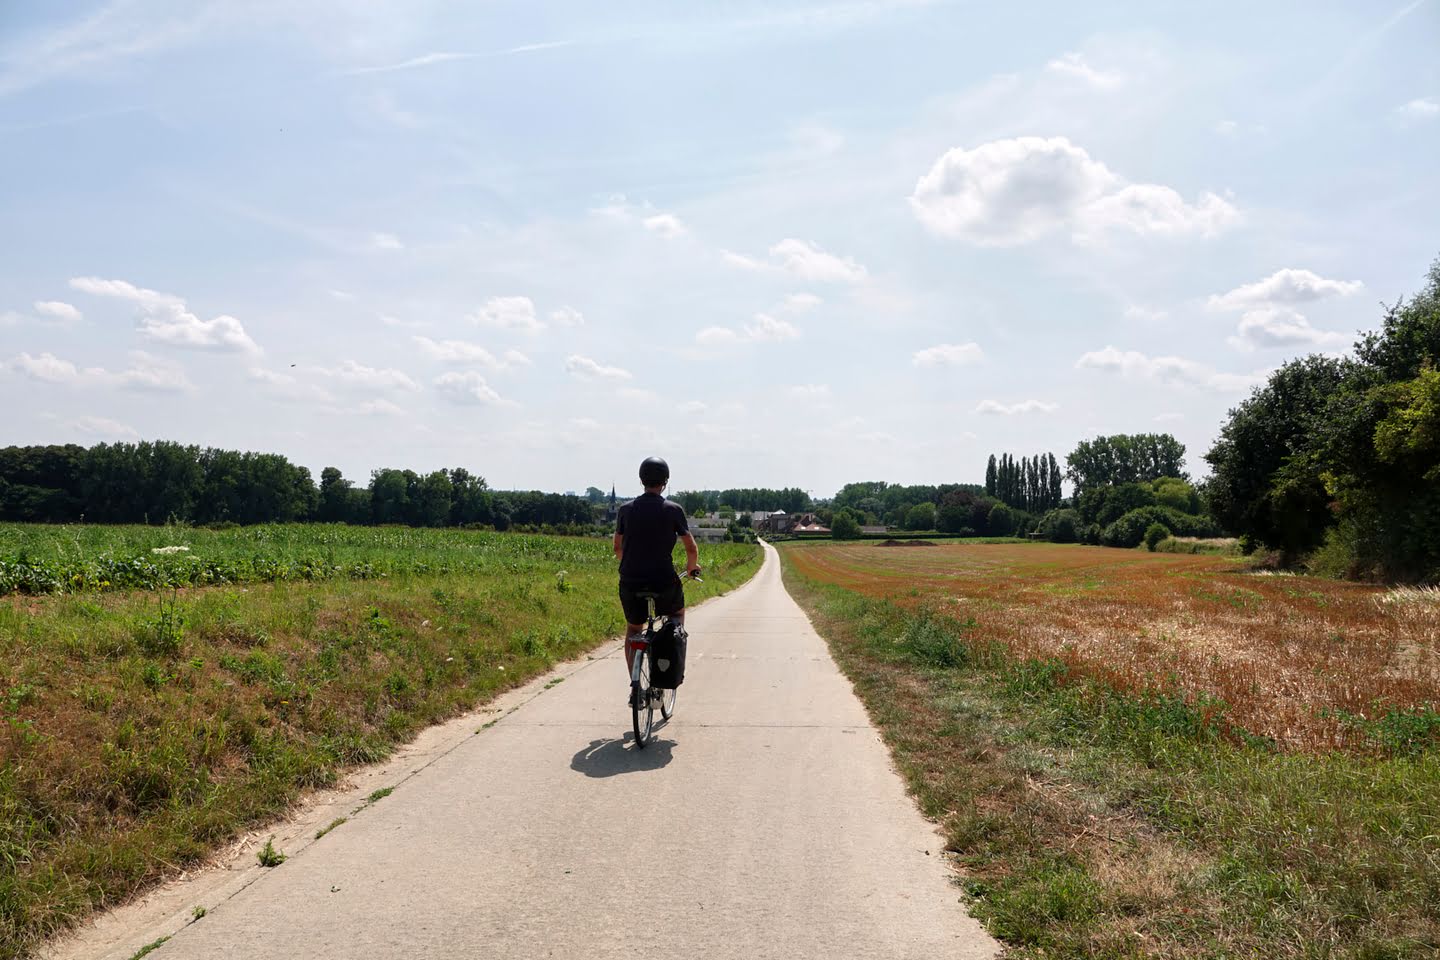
764,821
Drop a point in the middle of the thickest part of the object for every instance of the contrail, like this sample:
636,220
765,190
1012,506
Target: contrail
430,59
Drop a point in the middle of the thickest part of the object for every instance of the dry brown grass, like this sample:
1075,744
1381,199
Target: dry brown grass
1292,658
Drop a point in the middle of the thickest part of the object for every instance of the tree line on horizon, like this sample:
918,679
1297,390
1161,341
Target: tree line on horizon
163,481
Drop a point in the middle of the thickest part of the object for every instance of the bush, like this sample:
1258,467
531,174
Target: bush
1061,526
1129,530
1092,535
1154,534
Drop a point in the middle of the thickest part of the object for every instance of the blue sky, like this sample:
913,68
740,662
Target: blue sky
779,244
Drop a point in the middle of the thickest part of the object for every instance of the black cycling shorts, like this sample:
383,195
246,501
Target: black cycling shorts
671,599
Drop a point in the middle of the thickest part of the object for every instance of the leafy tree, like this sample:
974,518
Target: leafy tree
920,517
846,526
1125,458
1061,526
991,476
1265,433
1001,521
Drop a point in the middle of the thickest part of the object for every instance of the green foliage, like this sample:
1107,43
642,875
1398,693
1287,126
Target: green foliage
1154,534
920,517
1001,522
1176,494
1027,483
269,856
1061,526
845,526
1344,456
1133,458
1130,529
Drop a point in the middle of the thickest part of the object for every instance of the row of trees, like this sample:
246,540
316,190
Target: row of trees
155,482
746,499
1341,457
1030,483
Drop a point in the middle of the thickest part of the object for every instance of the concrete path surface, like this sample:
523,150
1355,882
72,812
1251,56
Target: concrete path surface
765,821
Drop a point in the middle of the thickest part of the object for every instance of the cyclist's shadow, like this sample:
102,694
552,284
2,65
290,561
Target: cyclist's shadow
611,757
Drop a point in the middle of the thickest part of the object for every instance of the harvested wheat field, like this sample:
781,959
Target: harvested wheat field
1310,663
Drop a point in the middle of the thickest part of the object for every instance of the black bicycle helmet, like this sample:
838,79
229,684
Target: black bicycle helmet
654,472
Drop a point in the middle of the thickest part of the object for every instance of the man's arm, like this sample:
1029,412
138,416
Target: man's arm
619,546
692,553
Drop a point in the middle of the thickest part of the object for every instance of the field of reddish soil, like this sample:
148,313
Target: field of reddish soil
1298,659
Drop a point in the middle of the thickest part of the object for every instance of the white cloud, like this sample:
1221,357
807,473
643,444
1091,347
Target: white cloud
1284,286
765,329
149,372
588,369
509,313
1421,108
468,387
809,262
1170,370
810,391
57,310
390,321
1074,65
463,352
165,318
1281,327
948,355
743,262
48,368
145,373
801,302
1009,192
103,427
288,387
802,259
1168,417
353,374
1011,409
768,329
665,225
693,407
385,241
816,139
567,317
1227,128
380,408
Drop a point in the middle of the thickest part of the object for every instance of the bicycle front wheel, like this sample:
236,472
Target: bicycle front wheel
642,712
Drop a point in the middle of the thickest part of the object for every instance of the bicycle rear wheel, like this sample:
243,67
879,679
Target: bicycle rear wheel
642,712
667,703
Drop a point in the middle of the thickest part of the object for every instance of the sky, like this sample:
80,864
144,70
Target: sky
778,244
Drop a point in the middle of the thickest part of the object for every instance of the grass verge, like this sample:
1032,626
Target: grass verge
140,731
1093,823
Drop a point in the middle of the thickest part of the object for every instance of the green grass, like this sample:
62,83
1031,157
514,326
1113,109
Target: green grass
1094,824
140,730
39,559
149,948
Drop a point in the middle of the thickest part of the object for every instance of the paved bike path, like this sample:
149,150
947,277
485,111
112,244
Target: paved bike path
766,821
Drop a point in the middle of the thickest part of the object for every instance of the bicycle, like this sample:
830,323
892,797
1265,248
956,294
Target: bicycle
643,697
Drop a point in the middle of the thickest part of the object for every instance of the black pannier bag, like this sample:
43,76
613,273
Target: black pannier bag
667,656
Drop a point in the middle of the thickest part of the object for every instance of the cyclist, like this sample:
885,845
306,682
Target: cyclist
645,533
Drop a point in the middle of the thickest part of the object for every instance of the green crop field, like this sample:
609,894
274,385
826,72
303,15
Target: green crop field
156,704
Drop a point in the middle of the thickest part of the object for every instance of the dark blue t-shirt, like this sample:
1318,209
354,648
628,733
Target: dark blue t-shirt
651,525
